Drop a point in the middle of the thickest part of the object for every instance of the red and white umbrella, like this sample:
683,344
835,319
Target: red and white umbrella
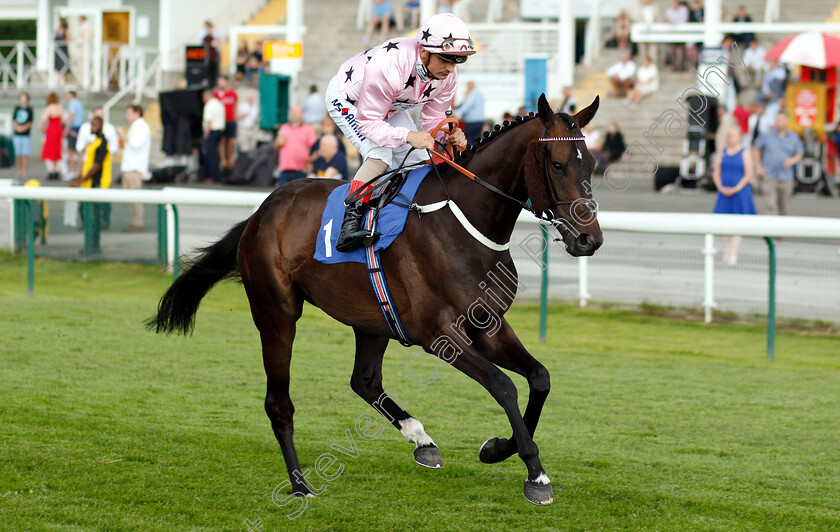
814,49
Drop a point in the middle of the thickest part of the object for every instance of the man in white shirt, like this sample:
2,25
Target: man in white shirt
754,61
248,117
137,145
622,76
213,120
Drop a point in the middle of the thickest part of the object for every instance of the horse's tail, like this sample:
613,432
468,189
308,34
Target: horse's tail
177,308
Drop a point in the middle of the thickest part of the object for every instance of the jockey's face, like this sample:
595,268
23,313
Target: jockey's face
437,67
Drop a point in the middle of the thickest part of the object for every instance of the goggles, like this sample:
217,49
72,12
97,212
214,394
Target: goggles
449,58
454,44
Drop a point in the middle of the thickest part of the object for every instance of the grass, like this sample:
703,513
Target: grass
652,424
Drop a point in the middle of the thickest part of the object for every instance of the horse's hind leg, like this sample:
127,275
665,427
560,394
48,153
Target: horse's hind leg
508,352
276,308
367,383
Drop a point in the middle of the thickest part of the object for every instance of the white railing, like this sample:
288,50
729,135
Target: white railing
18,66
141,81
694,31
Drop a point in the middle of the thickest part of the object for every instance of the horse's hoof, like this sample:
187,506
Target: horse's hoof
539,494
428,456
491,451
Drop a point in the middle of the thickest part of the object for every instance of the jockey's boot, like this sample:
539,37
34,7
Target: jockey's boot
352,235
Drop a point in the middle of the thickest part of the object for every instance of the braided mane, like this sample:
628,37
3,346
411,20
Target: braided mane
464,156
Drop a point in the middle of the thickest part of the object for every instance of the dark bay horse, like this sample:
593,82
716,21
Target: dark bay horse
436,270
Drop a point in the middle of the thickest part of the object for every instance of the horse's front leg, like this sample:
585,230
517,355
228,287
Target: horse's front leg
473,363
505,350
367,383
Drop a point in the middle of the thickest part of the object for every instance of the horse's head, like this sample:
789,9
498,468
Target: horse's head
557,169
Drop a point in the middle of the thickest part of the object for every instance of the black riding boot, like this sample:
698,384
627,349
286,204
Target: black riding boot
352,235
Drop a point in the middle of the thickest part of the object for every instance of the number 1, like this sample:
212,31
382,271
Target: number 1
327,238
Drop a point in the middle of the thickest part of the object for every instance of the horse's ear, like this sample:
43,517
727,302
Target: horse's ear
545,112
584,116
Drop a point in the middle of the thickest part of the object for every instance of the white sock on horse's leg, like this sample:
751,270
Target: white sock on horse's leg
414,432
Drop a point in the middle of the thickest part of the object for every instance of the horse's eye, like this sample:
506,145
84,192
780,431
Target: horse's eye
558,166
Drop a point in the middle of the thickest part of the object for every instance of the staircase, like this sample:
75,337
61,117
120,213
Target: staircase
270,14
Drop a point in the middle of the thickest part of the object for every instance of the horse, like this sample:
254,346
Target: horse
436,271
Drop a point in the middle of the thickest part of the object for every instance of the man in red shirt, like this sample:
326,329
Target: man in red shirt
228,96
294,140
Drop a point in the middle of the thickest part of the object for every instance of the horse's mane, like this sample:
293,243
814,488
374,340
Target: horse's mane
465,156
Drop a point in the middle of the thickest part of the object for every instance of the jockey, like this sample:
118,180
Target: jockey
371,96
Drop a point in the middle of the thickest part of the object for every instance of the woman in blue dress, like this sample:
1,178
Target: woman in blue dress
732,175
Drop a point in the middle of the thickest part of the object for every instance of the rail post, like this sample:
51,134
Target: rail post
29,224
771,299
709,271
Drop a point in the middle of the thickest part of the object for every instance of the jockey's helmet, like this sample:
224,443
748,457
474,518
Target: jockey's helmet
446,35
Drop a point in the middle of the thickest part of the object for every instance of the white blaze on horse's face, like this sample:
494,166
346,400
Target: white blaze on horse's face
580,155
415,433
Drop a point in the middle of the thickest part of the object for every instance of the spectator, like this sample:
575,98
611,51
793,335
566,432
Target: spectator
412,10
743,39
210,41
227,146
732,174
213,118
621,30
756,111
522,111
647,81
754,61
776,153
242,56
328,127
472,112
313,107
696,12
86,138
775,81
96,173
255,62
294,142
248,118
61,62
677,14
622,76
613,147
647,14
382,14
331,163
51,123
569,104
594,142
75,118
22,122
84,48
725,122
137,145
742,116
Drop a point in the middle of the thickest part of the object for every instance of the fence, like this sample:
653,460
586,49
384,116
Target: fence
630,266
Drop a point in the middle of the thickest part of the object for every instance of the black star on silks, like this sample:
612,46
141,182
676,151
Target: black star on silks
351,102
368,58
391,46
411,79
448,37
426,35
402,101
428,91
349,74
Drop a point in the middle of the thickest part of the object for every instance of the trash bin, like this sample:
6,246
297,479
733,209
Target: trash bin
274,100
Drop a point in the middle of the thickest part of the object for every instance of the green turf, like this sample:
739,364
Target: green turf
651,424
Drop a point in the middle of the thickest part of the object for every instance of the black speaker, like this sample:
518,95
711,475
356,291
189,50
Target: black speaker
703,112
198,76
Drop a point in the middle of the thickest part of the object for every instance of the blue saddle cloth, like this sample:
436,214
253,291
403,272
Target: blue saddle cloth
390,224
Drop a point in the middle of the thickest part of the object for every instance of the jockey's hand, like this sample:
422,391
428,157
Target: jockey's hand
456,138
421,140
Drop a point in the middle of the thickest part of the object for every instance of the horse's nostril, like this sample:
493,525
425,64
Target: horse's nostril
584,242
